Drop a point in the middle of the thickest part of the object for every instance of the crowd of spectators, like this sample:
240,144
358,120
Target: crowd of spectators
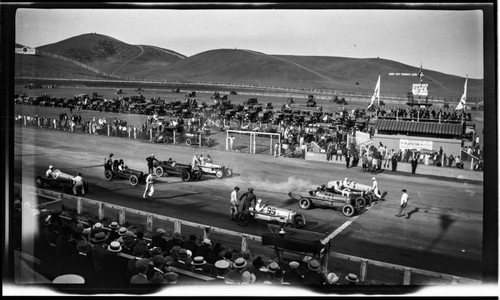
430,113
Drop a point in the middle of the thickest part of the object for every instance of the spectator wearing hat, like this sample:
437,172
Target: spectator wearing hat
99,250
293,276
113,232
191,244
159,263
204,249
158,240
248,278
352,279
221,269
234,275
257,267
81,261
314,275
331,278
171,277
173,240
273,274
141,267
158,278
182,261
128,242
201,266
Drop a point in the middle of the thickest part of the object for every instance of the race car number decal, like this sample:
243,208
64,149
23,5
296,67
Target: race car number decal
271,211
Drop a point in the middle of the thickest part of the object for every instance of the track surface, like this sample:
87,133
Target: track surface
443,234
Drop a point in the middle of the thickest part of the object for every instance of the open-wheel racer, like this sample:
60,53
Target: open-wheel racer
60,180
133,176
273,214
220,171
171,167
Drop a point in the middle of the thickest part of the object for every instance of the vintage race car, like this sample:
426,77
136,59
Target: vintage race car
349,205
60,180
133,176
219,171
272,214
186,172
352,189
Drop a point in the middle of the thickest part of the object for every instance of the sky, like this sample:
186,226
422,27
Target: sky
447,41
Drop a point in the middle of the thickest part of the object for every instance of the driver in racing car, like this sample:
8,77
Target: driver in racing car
121,165
171,162
321,188
346,182
337,186
259,207
49,171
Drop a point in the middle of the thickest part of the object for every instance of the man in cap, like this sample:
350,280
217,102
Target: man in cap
141,267
151,159
314,275
249,198
234,275
78,184
109,162
375,189
49,171
221,269
233,210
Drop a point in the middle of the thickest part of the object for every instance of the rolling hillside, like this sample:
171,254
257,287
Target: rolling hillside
237,66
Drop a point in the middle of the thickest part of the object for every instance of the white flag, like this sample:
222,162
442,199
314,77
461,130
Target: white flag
461,104
376,93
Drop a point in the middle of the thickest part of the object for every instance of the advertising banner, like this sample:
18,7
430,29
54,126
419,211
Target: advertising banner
415,144
419,89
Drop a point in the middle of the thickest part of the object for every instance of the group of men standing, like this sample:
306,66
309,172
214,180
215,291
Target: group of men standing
248,197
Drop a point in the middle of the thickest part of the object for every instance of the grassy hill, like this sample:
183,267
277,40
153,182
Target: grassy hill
239,66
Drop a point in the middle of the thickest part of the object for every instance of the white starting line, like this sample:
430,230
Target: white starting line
342,227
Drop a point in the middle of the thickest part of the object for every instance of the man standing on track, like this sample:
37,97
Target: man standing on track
78,184
149,191
404,202
150,160
249,197
233,210
375,189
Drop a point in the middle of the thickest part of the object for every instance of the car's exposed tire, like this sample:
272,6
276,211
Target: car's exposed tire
219,174
159,171
196,175
300,221
188,142
360,202
305,203
206,144
348,210
108,175
228,172
185,175
242,218
39,182
133,180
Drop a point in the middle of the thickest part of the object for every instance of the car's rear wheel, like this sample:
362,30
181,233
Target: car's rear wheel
300,221
39,182
242,218
133,180
305,203
348,210
219,174
228,172
360,202
186,176
108,175
159,171
206,144
188,142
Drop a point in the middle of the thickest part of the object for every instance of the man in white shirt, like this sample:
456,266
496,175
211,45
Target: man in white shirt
404,202
259,207
375,189
78,184
149,186
233,210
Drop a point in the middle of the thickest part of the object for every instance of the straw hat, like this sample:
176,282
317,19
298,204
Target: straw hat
239,263
114,225
198,261
115,247
313,265
352,277
332,278
294,265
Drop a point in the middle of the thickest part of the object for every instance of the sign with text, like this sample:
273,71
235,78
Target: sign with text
419,89
414,144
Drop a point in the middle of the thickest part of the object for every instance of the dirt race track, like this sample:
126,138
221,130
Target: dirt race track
443,234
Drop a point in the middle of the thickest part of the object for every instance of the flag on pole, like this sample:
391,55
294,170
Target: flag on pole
420,73
461,104
376,94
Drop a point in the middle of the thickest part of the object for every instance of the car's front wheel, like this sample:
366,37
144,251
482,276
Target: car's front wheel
219,174
228,172
360,202
186,176
108,175
348,210
242,218
305,203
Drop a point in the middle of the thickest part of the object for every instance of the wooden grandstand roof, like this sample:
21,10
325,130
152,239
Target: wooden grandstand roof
455,129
